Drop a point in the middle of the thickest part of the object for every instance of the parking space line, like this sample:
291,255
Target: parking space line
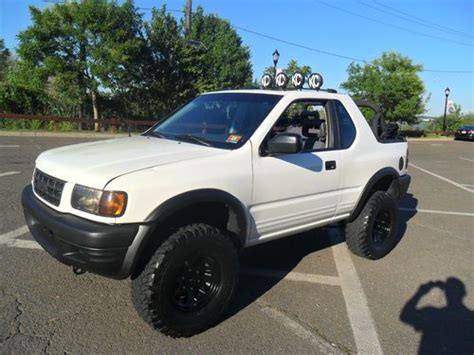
10,173
467,159
10,237
467,214
299,330
358,312
441,178
294,276
9,146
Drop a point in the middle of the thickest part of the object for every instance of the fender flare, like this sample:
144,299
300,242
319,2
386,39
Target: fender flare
187,199
394,189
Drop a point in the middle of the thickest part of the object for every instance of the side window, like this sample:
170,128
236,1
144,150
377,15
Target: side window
307,119
347,130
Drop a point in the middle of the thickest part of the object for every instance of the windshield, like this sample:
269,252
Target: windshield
225,120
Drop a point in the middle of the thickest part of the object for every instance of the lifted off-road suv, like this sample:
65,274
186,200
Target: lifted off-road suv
173,207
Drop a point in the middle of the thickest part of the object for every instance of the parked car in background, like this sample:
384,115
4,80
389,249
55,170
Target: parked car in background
465,132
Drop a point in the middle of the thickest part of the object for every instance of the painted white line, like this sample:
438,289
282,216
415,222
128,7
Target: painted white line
294,276
299,330
468,185
26,244
9,146
9,173
467,214
467,159
360,317
441,178
9,238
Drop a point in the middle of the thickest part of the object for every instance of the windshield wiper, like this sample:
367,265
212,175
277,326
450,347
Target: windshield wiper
156,134
199,140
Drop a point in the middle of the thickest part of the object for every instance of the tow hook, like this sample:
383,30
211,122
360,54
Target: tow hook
78,271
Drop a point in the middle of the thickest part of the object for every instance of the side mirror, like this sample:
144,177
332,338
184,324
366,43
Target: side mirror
285,143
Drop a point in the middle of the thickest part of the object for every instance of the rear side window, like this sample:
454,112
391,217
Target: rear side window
347,130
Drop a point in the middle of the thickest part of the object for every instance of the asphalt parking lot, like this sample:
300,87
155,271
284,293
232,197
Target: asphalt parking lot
303,294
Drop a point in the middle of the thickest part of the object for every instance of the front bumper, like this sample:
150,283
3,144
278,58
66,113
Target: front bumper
465,136
104,249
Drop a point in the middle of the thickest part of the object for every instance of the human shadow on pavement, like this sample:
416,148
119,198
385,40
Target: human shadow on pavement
447,330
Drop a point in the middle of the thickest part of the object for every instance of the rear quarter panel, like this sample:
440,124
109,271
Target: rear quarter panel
365,157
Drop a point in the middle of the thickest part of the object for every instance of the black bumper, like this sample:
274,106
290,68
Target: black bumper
404,184
96,247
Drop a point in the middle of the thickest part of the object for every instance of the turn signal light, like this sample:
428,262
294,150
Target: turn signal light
112,203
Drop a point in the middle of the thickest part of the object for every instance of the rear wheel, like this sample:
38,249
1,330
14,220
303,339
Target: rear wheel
373,234
187,285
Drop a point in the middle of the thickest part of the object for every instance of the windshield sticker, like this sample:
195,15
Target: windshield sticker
233,138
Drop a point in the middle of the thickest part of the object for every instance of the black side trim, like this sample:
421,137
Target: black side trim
190,198
393,190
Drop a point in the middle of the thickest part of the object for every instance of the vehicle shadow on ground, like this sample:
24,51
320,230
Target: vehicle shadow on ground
446,330
282,256
285,254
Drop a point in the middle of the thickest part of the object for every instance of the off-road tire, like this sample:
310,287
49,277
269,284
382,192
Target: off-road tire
360,232
152,293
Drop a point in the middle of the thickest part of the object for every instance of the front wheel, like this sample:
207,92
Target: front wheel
373,234
189,282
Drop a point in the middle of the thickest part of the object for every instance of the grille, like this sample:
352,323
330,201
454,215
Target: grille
48,187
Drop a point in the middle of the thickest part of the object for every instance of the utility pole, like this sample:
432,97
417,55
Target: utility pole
189,9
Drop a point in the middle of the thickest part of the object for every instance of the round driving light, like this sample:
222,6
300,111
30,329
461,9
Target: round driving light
315,81
297,80
266,81
281,80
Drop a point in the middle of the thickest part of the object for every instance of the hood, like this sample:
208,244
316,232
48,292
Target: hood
94,164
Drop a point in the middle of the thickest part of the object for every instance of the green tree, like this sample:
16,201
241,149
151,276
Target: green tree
4,59
454,118
392,81
83,48
221,61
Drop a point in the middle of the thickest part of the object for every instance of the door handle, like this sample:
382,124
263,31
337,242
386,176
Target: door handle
331,165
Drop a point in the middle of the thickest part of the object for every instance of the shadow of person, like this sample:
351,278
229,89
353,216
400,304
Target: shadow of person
447,330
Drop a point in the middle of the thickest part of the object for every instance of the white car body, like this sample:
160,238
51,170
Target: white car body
280,196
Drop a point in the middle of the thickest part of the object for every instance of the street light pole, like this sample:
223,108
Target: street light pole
276,56
446,93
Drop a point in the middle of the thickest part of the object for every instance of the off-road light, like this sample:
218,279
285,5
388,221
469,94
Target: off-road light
281,80
297,80
315,81
266,81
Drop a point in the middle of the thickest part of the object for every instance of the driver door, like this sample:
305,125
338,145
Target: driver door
295,192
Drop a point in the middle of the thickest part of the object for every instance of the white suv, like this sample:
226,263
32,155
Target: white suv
173,207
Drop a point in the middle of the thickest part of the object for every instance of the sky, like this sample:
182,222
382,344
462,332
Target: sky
438,34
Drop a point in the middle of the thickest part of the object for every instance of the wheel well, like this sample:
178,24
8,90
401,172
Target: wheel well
224,216
218,214
386,184
384,180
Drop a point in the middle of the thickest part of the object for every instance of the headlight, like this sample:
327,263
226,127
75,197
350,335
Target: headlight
103,203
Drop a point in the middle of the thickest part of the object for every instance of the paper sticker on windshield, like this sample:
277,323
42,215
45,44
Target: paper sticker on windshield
233,138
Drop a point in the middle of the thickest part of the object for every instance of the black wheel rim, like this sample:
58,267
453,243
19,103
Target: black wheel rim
198,281
382,227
